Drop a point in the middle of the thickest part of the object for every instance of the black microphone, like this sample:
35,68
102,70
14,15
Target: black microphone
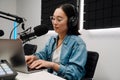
38,31
1,32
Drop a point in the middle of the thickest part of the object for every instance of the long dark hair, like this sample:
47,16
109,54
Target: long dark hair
70,11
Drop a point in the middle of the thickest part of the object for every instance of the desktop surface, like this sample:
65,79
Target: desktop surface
42,75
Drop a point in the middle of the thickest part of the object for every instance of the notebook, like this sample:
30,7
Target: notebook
12,51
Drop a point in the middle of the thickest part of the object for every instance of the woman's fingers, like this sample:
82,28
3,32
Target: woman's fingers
35,64
29,59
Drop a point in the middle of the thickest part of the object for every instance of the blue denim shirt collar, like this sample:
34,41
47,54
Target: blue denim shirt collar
66,39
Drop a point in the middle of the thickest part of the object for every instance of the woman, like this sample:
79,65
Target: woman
65,54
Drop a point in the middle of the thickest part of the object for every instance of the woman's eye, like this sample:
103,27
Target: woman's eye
59,19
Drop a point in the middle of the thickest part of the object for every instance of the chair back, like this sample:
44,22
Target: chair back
29,49
91,63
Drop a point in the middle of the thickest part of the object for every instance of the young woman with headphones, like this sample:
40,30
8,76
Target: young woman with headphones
65,54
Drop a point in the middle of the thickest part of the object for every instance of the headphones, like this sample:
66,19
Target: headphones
73,21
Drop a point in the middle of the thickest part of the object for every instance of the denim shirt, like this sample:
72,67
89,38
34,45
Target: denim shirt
72,58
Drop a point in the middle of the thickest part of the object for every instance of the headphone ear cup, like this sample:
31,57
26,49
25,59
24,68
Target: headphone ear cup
73,21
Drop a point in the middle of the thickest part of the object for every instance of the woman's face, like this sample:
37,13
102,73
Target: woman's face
59,21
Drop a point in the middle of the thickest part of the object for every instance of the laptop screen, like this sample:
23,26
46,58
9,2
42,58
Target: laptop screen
12,51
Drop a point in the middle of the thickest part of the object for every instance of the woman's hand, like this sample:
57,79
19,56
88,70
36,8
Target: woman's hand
37,64
30,59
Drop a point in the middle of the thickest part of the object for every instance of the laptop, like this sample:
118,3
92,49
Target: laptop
12,51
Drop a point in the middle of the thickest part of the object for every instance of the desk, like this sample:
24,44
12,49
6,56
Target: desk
42,75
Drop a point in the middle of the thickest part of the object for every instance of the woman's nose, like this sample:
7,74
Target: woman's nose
55,22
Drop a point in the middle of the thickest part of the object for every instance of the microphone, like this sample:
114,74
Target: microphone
1,32
38,31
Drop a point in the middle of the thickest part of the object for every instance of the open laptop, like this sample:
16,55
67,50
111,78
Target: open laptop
12,51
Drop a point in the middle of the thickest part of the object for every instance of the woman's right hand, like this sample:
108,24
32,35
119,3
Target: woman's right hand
30,59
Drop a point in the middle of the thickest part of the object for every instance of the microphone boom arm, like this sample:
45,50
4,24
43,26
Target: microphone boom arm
13,18
17,18
24,41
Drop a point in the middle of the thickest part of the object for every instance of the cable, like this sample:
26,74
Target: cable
13,30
